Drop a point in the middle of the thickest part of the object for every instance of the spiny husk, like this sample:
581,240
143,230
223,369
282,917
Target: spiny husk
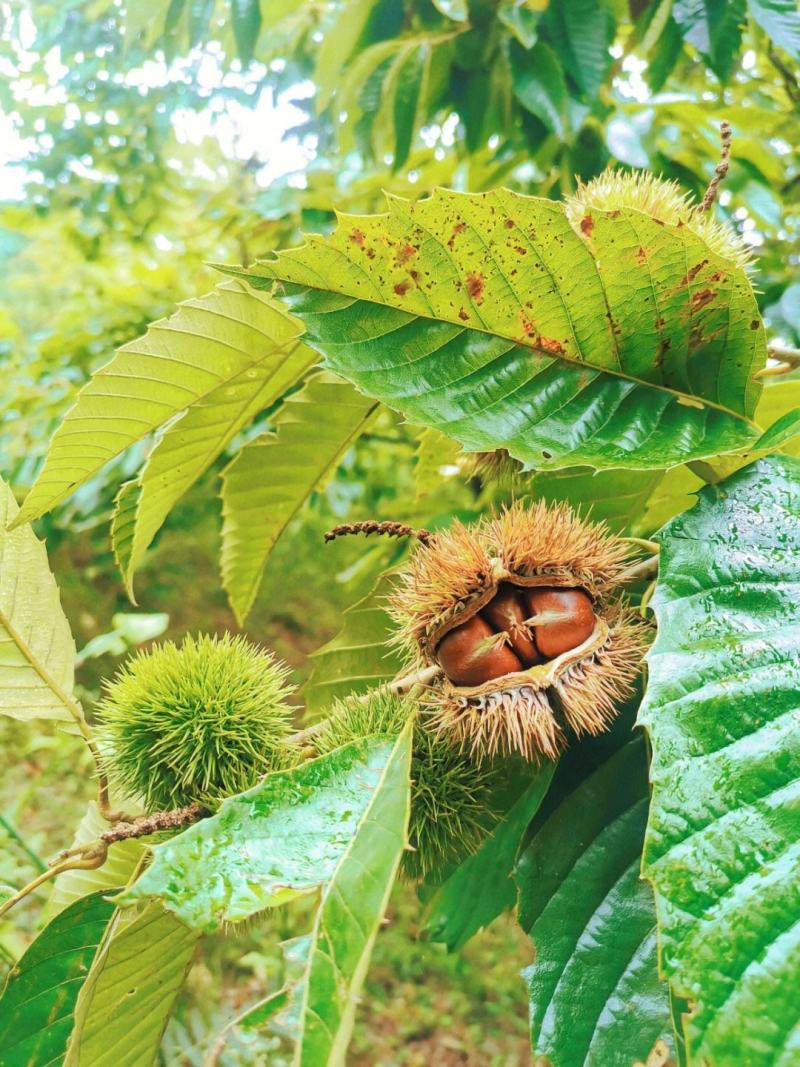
451,575
452,796
195,722
660,199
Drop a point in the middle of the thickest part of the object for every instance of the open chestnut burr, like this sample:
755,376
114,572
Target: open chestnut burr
518,628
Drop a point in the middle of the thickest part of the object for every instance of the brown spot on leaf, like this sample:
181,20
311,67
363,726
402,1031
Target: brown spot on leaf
718,276
521,250
754,324
358,237
526,323
404,254
475,284
463,315
402,287
661,322
587,225
370,253
692,273
640,255
509,224
549,344
701,298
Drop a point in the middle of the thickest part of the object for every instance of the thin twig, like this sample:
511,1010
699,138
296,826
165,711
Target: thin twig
721,169
372,526
646,568
90,859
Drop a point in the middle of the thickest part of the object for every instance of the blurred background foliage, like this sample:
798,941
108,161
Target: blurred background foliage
141,141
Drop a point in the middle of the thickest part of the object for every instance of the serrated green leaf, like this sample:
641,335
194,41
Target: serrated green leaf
539,85
123,526
433,452
714,27
603,350
482,887
616,497
128,995
207,345
190,443
246,26
282,838
117,869
357,658
37,651
408,84
37,1006
723,840
596,998
270,479
353,904
582,31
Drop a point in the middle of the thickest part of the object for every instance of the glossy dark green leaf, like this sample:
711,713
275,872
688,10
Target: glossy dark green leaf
37,1007
780,20
596,998
284,837
554,346
723,841
482,887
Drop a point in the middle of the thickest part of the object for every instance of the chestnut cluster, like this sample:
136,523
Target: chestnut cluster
536,624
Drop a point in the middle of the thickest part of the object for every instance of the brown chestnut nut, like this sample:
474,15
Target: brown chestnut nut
572,623
467,658
506,611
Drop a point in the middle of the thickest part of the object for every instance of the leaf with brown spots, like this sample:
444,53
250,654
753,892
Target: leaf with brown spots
634,319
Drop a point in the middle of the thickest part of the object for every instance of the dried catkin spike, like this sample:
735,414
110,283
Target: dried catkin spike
525,616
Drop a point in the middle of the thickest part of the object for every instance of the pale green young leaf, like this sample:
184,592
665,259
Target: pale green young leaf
37,651
270,479
129,993
358,657
723,839
189,444
205,346
632,344
284,837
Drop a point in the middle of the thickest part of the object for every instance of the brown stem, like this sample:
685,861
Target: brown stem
372,526
721,169
152,824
